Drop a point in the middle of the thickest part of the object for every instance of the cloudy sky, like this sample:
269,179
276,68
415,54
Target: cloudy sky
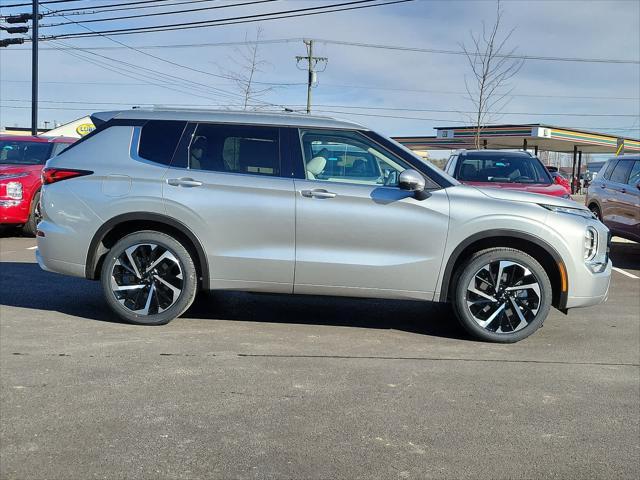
424,88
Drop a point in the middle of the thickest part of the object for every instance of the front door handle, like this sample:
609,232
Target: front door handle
317,193
183,182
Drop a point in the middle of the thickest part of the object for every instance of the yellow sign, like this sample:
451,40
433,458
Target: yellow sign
85,129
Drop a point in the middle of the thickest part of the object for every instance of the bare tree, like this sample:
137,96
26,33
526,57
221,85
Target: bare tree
248,65
492,64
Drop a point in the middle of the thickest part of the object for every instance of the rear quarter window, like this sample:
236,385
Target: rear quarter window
620,173
608,169
159,139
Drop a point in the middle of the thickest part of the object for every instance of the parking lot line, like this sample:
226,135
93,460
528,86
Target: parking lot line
619,270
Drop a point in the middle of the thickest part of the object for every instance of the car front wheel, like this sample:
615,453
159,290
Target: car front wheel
149,278
31,227
502,295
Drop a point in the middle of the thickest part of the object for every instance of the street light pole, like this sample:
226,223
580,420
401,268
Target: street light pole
34,69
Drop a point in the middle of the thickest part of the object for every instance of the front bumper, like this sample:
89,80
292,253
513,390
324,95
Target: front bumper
594,291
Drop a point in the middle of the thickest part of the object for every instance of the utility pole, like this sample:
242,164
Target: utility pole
24,18
34,68
312,63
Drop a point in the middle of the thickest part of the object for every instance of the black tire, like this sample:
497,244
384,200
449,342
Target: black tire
31,227
532,307
596,211
147,290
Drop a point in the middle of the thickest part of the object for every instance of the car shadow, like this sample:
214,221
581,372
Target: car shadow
625,255
25,285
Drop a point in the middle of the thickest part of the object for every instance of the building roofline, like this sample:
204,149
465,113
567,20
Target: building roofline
541,125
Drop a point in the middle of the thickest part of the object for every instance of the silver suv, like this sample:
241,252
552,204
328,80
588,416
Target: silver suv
161,204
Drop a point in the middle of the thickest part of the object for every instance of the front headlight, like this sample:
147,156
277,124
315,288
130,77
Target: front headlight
14,190
590,244
581,212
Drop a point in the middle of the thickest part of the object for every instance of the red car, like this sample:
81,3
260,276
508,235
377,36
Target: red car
22,159
559,178
503,169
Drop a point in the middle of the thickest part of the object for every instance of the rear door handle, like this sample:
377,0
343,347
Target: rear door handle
317,193
183,182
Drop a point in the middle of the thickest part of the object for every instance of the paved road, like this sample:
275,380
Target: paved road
266,386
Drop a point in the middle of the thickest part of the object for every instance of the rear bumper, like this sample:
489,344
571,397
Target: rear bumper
14,211
53,252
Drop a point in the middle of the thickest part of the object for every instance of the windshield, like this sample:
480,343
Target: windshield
15,152
502,169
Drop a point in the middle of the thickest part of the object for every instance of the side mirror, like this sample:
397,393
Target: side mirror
413,181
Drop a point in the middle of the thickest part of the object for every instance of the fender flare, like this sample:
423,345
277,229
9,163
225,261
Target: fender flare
101,233
448,271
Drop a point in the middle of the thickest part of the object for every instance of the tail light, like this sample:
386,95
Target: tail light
53,175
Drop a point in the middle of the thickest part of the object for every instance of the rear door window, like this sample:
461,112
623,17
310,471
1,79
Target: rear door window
235,149
620,173
159,139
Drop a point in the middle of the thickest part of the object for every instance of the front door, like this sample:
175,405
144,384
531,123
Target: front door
225,185
357,233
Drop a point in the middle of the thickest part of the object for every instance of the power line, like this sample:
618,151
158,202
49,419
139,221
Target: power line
320,111
138,76
463,122
168,81
145,15
461,52
28,4
364,45
80,24
219,22
139,2
107,8
339,106
558,114
357,87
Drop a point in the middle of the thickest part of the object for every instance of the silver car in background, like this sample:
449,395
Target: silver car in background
159,205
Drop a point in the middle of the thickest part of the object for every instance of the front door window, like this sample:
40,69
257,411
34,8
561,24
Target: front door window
348,157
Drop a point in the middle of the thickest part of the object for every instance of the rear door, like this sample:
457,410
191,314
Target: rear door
617,205
629,200
357,233
225,184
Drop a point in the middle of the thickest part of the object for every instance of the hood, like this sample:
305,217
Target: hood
528,197
6,169
552,189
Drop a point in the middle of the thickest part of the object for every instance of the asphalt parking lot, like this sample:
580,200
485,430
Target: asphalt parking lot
269,386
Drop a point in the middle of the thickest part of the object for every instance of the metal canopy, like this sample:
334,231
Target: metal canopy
532,136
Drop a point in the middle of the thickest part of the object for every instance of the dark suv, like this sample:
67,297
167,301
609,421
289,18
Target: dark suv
614,196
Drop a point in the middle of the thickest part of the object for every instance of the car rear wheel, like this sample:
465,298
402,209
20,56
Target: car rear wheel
149,278
502,295
31,227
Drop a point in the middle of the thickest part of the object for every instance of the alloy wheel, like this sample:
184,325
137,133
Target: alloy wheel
147,278
503,297
37,213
